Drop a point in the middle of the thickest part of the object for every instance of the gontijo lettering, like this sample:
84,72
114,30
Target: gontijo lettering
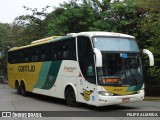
26,68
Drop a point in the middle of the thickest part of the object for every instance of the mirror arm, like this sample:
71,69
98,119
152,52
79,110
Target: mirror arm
150,55
98,55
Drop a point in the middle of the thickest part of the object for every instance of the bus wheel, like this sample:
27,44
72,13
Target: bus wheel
70,97
23,90
18,88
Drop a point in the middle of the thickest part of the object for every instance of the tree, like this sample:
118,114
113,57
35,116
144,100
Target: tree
72,17
150,28
34,25
5,37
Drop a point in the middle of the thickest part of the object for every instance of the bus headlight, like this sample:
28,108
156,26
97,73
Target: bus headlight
141,91
104,93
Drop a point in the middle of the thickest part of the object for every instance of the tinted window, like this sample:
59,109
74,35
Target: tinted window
86,59
59,50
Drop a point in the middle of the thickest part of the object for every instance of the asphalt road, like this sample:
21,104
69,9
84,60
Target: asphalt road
10,101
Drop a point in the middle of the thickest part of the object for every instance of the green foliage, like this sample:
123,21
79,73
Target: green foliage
34,25
5,37
73,18
150,28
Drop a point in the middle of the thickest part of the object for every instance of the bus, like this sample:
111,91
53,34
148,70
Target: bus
95,68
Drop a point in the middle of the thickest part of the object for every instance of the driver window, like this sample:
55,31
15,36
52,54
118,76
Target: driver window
86,59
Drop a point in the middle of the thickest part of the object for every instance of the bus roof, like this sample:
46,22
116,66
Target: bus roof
110,34
45,39
38,42
57,38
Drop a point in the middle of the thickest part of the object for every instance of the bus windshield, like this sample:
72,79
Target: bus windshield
115,44
120,69
121,64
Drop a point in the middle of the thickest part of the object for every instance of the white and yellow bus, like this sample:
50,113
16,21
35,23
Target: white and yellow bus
96,68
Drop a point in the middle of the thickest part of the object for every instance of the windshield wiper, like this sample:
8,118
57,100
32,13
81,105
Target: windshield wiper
131,72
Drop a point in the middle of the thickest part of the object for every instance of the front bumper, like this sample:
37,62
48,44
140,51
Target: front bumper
111,100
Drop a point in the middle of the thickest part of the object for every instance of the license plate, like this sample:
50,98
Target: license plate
125,99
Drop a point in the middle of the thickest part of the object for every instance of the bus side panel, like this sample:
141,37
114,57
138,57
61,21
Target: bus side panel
72,76
26,72
63,73
48,78
11,77
67,75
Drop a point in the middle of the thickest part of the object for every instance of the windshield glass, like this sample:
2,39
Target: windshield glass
120,69
115,44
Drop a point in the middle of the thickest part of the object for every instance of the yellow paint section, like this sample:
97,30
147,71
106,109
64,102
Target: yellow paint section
117,90
87,95
28,72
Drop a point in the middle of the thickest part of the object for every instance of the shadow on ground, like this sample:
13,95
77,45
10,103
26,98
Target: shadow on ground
83,106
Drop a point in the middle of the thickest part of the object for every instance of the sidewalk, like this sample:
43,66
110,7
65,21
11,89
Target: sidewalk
150,98
1,85
4,86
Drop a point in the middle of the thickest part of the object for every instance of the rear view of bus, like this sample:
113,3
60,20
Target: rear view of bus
119,69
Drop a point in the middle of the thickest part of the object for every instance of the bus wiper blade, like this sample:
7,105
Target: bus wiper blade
131,72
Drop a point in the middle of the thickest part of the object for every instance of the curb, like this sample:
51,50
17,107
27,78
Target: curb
151,98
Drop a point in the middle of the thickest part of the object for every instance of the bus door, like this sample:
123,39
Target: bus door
86,80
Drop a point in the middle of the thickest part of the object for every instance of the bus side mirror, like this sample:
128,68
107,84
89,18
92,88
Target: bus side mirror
150,55
98,56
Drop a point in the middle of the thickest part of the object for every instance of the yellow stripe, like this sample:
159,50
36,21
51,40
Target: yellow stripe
117,90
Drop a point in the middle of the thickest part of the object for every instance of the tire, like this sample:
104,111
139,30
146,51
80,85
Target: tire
70,97
23,90
18,88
